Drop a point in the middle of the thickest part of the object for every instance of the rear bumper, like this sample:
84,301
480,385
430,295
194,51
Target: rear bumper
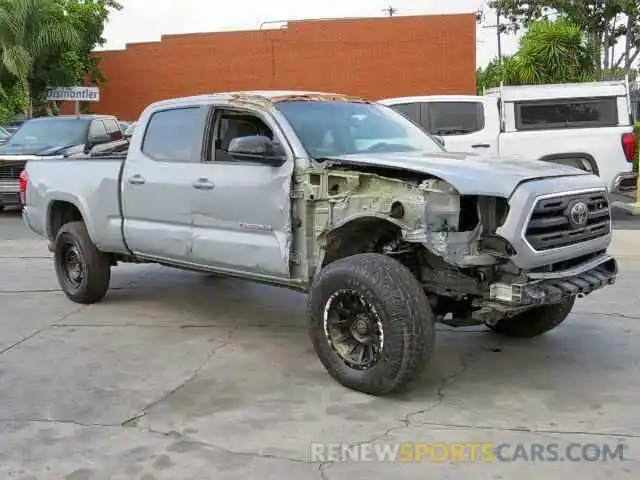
9,193
624,182
555,289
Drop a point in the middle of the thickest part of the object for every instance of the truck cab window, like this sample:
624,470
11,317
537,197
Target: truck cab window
454,118
232,125
175,135
409,110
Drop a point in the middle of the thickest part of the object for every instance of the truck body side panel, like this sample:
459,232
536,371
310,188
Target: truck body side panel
90,185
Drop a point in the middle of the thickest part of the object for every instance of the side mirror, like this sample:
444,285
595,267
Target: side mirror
258,148
439,140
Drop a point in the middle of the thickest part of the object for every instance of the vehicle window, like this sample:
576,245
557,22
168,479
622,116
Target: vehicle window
334,128
234,125
175,135
454,118
97,129
52,131
409,110
568,113
130,129
113,129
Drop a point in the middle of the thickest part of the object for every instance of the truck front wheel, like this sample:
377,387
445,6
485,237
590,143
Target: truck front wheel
370,323
83,271
534,322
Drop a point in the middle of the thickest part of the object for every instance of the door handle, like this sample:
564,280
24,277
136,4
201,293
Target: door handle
481,145
203,184
136,180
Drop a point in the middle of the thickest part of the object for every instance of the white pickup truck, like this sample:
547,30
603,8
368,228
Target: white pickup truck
585,125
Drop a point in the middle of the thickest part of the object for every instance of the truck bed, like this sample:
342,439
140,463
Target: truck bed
89,182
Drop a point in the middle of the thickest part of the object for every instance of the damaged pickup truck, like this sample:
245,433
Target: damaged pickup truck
341,198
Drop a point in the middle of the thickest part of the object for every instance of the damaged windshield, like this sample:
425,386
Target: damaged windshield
334,128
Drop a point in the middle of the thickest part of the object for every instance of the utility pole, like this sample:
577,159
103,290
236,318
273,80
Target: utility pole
498,27
390,11
499,36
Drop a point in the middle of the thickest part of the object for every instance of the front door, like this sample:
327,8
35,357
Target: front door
464,125
158,183
241,212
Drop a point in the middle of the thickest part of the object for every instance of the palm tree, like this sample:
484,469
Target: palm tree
554,52
30,29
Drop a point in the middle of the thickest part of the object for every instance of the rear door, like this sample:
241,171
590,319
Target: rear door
158,183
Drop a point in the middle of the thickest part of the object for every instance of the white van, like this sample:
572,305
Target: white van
586,125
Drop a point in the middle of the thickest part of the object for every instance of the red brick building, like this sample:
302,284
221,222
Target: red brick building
372,57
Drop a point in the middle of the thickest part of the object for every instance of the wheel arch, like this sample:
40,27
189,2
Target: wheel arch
64,209
353,234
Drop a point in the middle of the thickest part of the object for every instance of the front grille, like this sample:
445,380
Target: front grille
11,170
552,224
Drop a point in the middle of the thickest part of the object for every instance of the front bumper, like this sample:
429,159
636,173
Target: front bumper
555,289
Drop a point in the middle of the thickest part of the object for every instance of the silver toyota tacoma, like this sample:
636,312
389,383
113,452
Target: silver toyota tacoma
341,198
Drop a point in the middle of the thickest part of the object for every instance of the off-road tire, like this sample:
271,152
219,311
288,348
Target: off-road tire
97,265
534,322
403,309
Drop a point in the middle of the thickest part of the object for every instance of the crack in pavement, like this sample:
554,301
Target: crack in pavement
187,325
609,314
133,420
405,421
528,430
170,434
42,329
129,286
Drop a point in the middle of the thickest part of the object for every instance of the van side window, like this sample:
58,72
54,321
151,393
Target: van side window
175,135
454,118
567,113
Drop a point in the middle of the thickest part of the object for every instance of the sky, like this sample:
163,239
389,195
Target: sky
137,22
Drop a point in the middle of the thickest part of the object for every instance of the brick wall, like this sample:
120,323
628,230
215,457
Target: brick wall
374,58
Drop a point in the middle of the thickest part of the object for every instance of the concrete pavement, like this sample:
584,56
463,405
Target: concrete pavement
178,375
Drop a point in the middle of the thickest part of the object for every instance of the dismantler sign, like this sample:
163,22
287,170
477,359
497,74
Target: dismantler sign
74,94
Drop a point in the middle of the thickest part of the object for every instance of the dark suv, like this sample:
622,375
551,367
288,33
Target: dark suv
58,136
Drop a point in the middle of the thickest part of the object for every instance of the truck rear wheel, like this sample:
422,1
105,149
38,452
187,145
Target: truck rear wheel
83,271
370,323
534,322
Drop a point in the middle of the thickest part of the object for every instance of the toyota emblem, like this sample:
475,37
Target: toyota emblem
579,214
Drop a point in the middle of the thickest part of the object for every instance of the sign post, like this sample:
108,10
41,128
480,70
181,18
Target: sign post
74,94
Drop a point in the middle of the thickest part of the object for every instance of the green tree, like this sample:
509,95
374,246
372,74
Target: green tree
604,23
554,52
550,52
29,30
89,17
77,65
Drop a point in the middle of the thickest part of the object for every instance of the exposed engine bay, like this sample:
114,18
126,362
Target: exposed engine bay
449,241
